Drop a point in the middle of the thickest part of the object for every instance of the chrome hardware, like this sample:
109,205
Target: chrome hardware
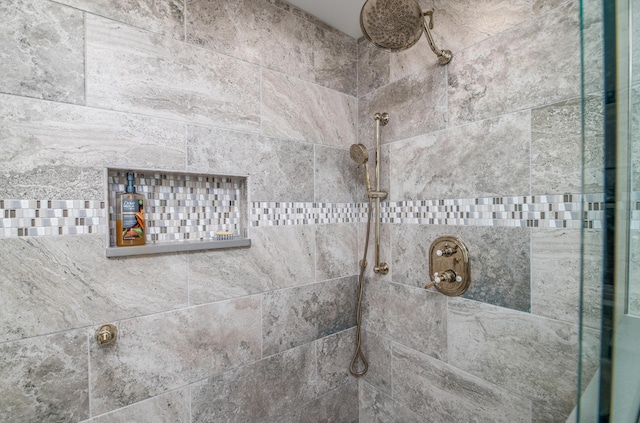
449,264
447,250
383,268
106,334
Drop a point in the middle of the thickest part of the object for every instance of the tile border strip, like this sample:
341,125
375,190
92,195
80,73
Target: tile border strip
19,218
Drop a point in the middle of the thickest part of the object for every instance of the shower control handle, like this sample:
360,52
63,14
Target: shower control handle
446,276
447,251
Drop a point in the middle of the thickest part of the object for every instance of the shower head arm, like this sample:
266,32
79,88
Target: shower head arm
444,56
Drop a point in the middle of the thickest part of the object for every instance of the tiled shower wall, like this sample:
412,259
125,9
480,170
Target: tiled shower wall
501,124
264,334
247,87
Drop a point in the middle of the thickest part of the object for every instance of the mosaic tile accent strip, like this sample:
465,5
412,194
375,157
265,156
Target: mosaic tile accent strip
181,206
177,210
51,217
537,211
282,214
542,211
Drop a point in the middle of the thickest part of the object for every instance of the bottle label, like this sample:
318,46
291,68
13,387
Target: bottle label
132,219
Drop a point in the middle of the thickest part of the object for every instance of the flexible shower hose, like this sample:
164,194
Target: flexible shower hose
363,265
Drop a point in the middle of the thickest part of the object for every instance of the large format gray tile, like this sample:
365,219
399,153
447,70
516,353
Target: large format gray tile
140,72
443,393
411,316
279,170
534,64
42,51
339,405
295,316
416,105
44,379
58,151
257,392
377,350
256,31
378,407
279,257
555,274
335,61
335,176
531,356
488,158
556,146
480,21
162,352
334,354
50,284
336,251
170,407
160,16
299,110
373,67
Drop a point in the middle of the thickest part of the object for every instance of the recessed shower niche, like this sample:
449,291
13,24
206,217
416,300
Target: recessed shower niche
184,211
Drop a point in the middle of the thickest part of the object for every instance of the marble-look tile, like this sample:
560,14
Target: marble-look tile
44,379
499,259
339,406
373,67
591,277
377,350
58,151
295,316
411,316
416,105
483,159
458,24
418,58
532,356
161,16
42,51
534,64
556,144
555,274
634,272
540,7
170,407
255,31
592,47
335,176
186,346
445,394
257,392
592,144
299,110
50,284
279,257
335,61
377,407
336,251
132,70
334,355
278,170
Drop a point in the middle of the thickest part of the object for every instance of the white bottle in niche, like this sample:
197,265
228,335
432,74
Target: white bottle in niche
130,221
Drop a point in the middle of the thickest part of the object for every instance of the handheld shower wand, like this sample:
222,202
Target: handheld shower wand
360,155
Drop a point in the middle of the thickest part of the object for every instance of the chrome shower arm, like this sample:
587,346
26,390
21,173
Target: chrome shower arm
444,56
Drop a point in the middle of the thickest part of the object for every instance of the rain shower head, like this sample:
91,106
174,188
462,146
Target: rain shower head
360,155
396,25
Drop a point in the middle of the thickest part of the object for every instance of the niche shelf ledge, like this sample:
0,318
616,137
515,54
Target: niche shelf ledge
177,246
